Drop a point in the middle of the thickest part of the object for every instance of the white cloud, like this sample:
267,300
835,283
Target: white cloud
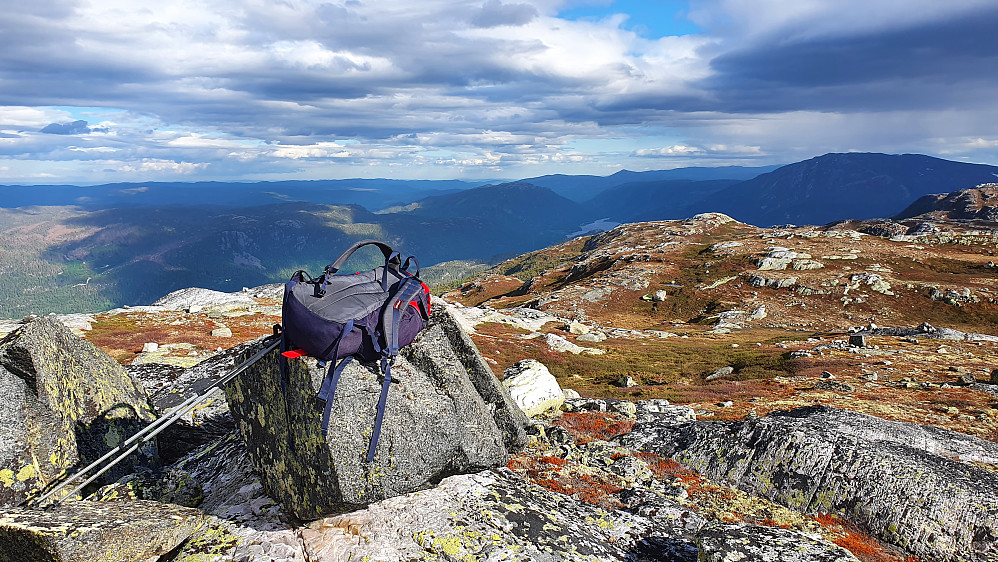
33,118
156,165
260,89
317,150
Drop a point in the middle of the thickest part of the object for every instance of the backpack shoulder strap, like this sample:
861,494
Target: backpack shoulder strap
409,289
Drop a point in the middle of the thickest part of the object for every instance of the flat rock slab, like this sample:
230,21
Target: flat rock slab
489,517
84,531
895,480
744,543
495,516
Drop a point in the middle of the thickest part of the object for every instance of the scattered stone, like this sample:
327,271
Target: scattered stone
833,385
951,410
149,347
994,376
532,387
577,328
953,296
874,281
592,337
562,345
771,282
726,404
857,340
806,265
869,376
725,246
194,309
826,375
221,332
570,394
659,296
722,372
626,382
966,379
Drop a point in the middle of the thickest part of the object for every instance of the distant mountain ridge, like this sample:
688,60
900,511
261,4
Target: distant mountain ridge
843,186
584,188
373,194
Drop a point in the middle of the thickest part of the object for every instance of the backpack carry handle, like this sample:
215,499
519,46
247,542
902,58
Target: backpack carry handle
390,255
405,266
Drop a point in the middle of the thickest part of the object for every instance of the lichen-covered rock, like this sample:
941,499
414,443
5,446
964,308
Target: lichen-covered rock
533,387
85,531
438,422
64,402
741,542
171,386
243,523
495,516
897,480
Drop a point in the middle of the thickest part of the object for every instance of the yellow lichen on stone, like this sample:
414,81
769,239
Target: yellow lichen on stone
7,477
26,473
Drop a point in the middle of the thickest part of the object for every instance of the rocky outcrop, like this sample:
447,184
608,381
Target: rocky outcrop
979,203
446,415
486,516
894,479
65,403
199,298
493,516
724,543
85,531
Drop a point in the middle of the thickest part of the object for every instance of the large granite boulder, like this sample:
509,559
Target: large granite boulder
65,403
447,414
898,481
86,531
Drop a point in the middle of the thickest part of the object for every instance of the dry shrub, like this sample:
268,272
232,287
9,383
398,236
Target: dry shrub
585,427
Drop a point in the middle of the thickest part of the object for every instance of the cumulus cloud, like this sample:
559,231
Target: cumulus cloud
494,14
465,87
78,127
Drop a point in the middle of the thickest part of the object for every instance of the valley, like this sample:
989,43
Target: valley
87,249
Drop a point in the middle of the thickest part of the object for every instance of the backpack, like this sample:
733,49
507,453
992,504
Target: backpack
370,315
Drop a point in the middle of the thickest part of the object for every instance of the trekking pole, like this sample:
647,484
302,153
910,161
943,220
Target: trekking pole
150,431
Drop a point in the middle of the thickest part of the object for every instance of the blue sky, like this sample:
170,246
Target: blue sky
134,90
648,18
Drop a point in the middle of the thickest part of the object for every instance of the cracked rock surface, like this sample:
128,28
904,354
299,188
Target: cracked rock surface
888,477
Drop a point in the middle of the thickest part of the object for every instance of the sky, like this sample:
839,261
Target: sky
97,91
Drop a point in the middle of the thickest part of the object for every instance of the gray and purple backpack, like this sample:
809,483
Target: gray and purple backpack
369,315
